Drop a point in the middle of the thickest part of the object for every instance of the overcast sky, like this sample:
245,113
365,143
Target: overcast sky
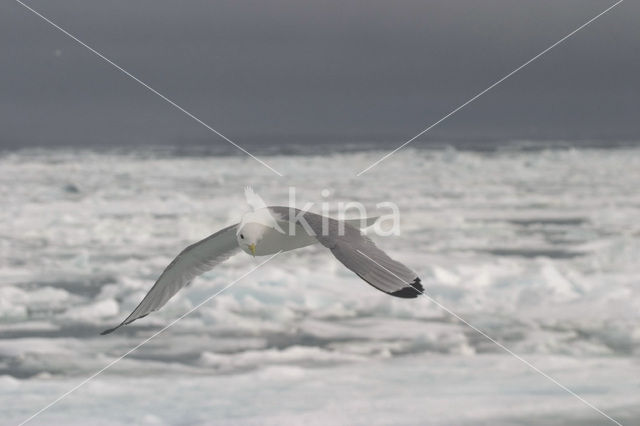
291,71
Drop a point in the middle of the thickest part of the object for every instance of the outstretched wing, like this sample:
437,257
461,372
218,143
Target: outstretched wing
362,256
191,262
359,254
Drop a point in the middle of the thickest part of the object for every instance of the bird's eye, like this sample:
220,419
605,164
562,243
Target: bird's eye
242,236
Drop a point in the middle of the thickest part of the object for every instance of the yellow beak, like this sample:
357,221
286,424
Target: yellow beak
252,247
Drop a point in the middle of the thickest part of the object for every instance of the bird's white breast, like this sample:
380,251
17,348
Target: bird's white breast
273,241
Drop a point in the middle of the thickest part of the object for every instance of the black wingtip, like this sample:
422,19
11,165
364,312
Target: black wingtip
125,322
415,290
111,330
417,284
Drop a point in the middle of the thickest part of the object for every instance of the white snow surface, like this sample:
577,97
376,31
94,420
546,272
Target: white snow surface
539,249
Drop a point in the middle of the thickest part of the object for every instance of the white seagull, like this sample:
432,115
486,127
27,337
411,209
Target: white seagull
267,230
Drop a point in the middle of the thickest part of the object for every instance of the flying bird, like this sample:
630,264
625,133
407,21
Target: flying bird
267,230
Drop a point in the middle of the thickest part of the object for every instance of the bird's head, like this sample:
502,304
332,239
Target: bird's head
249,236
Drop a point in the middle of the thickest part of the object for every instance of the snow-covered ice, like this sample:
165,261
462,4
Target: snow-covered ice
538,248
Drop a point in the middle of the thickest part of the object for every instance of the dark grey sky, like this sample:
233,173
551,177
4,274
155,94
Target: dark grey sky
274,71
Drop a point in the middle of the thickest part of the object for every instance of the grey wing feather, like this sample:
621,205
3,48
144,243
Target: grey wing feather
376,268
359,254
191,262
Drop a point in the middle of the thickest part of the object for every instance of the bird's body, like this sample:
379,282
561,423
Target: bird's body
269,230
273,241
